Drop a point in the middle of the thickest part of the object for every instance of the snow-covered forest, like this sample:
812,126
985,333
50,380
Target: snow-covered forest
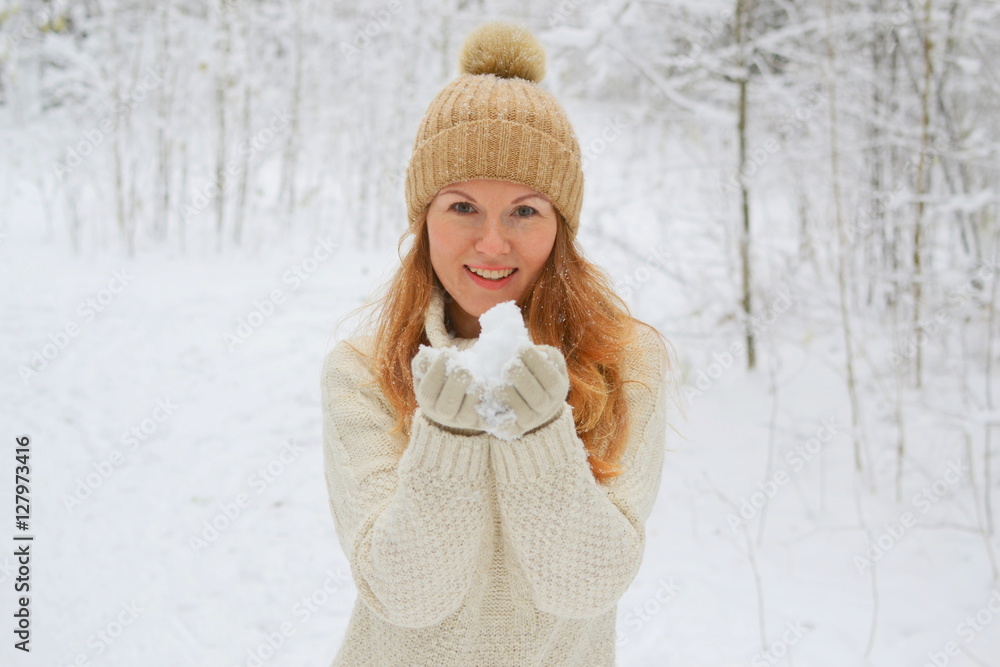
802,196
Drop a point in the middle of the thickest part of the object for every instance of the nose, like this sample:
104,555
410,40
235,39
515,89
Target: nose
493,240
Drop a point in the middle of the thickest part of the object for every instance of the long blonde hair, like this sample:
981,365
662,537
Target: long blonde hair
572,306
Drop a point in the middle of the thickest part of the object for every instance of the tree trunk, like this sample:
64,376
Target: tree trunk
742,23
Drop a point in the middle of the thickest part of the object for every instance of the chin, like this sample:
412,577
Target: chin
494,299
481,304
476,300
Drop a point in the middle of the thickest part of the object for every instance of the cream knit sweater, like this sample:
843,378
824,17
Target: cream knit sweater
470,550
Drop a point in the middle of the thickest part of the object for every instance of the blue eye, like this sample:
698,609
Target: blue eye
462,207
526,211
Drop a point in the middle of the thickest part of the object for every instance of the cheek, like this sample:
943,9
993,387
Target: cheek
444,247
540,250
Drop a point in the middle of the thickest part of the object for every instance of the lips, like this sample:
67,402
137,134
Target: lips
490,278
492,274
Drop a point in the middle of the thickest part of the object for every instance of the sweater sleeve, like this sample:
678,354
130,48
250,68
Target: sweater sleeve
413,526
580,543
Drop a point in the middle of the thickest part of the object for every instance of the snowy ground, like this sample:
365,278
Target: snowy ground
233,437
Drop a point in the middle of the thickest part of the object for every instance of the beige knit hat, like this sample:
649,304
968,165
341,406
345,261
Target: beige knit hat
495,121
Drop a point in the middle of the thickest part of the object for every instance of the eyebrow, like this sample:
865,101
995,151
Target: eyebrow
472,199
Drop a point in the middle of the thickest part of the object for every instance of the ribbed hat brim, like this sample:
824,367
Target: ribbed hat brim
496,149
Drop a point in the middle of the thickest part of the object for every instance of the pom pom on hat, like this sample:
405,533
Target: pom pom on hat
504,49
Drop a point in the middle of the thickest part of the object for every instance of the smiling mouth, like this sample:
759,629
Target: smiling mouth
491,274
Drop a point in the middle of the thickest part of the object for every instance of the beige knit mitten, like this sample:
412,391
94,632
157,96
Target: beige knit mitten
537,390
444,397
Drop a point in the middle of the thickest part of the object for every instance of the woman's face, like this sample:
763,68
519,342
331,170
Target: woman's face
488,240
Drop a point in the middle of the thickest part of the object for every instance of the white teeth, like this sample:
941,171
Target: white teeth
492,275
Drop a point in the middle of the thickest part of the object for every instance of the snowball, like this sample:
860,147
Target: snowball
490,360
502,335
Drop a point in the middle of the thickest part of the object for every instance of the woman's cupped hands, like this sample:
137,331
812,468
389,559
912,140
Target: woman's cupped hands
532,391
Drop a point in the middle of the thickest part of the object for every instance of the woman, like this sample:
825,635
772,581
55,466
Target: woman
467,548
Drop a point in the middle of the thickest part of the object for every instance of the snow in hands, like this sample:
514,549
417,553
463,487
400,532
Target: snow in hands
502,335
490,361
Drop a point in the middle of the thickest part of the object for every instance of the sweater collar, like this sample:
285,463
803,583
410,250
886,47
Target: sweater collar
434,324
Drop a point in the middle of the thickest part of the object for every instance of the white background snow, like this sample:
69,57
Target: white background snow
211,360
